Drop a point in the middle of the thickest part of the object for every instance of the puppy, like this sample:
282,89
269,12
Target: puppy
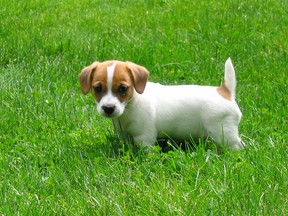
149,111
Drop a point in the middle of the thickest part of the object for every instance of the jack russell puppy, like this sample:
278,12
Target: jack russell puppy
149,111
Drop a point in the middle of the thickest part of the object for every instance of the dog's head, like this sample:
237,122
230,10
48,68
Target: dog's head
113,84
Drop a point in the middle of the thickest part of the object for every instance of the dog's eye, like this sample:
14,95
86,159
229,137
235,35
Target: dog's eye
98,88
122,89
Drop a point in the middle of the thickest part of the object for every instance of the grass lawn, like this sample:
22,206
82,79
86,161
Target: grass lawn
59,157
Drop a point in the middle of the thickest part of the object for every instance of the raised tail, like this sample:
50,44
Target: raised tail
230,78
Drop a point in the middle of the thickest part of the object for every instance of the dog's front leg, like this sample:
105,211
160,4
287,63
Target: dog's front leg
147,141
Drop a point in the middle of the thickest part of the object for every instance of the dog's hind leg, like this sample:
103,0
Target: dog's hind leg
226,136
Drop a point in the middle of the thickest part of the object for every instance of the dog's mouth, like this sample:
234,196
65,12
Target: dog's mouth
111,116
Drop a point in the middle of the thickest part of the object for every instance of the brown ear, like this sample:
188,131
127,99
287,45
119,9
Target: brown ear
139,76
85,77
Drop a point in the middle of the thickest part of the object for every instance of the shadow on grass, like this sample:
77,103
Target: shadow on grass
114,147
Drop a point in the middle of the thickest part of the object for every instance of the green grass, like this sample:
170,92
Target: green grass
59,157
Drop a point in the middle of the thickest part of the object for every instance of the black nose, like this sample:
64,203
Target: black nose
109,109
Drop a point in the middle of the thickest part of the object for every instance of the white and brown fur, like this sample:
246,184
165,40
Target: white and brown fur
149,111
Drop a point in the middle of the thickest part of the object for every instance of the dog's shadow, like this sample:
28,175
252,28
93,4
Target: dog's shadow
115,147
118,147
167,145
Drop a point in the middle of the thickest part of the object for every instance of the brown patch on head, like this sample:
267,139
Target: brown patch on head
224,92
99,80
94,77
122,84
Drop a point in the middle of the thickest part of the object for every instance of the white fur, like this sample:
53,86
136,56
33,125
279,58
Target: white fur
180,112
109,99
110,74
